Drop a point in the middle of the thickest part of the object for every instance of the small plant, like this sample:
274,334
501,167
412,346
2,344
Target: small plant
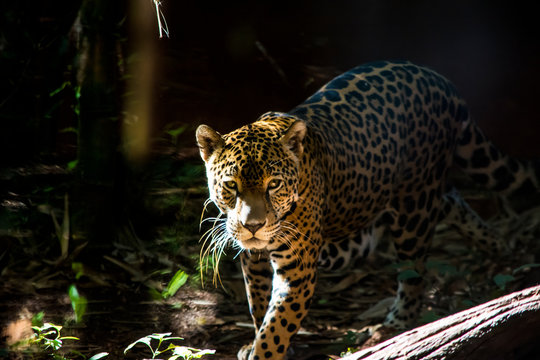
47,336
177,281
349,351
174,133
78,303
501,280
178,352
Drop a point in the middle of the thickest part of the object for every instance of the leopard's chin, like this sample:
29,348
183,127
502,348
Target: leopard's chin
253,244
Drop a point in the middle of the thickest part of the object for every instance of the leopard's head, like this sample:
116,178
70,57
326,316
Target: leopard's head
253,176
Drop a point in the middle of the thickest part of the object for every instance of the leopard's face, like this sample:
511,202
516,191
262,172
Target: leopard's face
253,190
253,177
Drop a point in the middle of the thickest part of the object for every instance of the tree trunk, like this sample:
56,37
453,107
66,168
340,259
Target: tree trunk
98,201
99,123
504,328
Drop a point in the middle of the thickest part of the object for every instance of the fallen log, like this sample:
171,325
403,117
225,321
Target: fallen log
505,328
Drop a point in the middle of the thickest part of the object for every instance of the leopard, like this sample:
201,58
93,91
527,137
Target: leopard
315,187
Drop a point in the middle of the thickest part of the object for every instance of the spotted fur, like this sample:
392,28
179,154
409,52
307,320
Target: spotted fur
367,154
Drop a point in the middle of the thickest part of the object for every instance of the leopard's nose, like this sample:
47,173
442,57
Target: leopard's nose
254,226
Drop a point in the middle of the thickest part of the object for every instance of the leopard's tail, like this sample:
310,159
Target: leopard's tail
493,169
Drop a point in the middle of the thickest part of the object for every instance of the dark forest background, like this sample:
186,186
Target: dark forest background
211,70
97,118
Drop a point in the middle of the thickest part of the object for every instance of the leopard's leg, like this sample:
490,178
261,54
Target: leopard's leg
413,232
257,272
412,227
341,254
293,282
458,214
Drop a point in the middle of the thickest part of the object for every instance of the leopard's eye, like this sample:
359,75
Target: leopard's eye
231,185
274,184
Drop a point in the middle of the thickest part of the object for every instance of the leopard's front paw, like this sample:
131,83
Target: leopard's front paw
244,352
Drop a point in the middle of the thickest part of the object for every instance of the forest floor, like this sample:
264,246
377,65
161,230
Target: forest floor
124,276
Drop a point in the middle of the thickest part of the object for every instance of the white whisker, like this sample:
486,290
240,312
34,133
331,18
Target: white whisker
205,205
214,243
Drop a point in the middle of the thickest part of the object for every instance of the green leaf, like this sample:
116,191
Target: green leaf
74,352
190,353
429,316
524,267
176,132
69,130
78,303
51,328
351,337
201,353
69,338
501,280
407,274
468,303
78,268
154,294
178,280
36,329
72,165
177,305
37,319
181,351
173,338
56,344
159,336
144,340
99,356
77,92
62,87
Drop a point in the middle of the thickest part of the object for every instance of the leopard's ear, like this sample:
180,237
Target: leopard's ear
208,140
294,137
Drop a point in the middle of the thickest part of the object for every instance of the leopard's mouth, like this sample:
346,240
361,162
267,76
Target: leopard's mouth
253,243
